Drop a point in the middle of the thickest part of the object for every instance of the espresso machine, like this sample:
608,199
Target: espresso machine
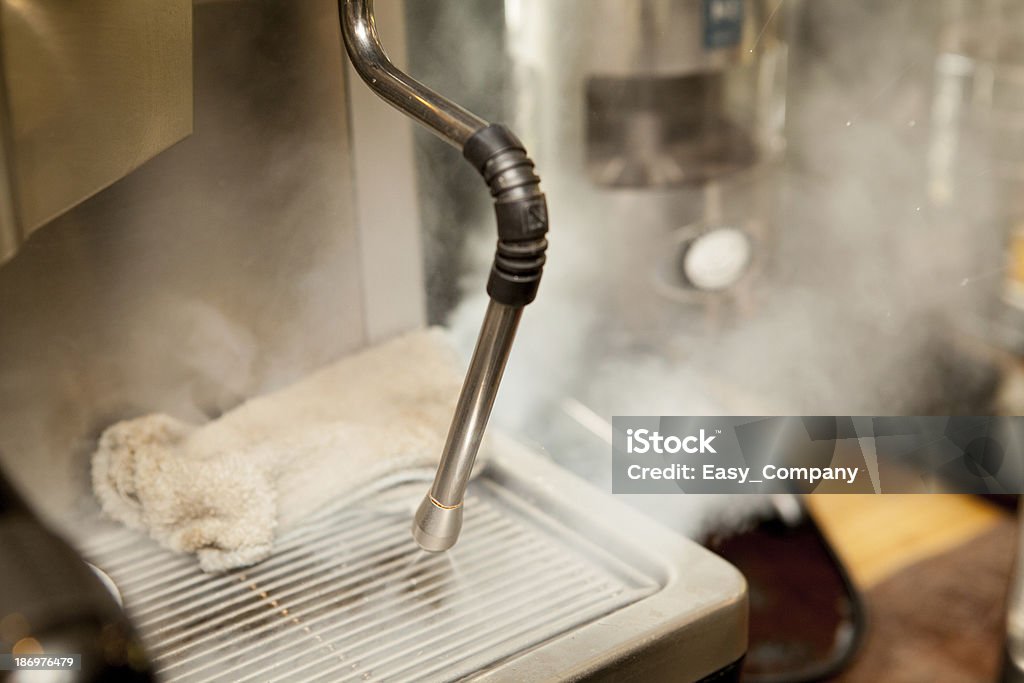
203,203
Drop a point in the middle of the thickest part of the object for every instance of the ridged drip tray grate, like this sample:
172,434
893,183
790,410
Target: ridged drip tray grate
349,596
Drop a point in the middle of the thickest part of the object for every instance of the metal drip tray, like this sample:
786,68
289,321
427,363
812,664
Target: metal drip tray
548,581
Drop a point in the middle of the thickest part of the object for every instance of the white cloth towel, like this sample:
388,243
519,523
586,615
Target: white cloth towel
222,489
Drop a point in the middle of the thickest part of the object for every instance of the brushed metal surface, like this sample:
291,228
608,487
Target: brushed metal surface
645,37
94,89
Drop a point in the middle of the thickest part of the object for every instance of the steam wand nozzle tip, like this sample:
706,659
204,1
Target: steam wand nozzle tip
436,527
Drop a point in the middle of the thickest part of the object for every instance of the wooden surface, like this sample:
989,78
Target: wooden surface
934,571
878,535
941,620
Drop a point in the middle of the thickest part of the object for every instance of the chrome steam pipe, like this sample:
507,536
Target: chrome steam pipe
521,212
439,517
444,118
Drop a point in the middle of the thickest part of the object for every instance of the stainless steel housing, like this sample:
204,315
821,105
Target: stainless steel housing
89,91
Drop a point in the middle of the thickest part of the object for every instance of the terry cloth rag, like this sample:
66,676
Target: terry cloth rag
220,490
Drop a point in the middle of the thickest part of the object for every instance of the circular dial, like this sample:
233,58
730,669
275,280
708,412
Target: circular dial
717,259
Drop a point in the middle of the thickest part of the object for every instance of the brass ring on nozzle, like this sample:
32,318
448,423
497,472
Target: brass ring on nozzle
436,527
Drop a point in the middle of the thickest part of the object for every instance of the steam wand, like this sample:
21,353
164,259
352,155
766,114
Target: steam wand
522,219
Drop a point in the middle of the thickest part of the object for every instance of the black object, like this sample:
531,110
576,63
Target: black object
730,674
520,209
807,620
1010,672
49,594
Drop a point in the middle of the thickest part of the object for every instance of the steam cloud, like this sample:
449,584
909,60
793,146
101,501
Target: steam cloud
872,275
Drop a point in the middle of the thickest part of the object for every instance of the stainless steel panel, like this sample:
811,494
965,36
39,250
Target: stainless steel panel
94,89
552,581
385,183
662,37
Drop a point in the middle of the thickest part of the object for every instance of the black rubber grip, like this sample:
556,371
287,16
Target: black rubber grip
520,209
